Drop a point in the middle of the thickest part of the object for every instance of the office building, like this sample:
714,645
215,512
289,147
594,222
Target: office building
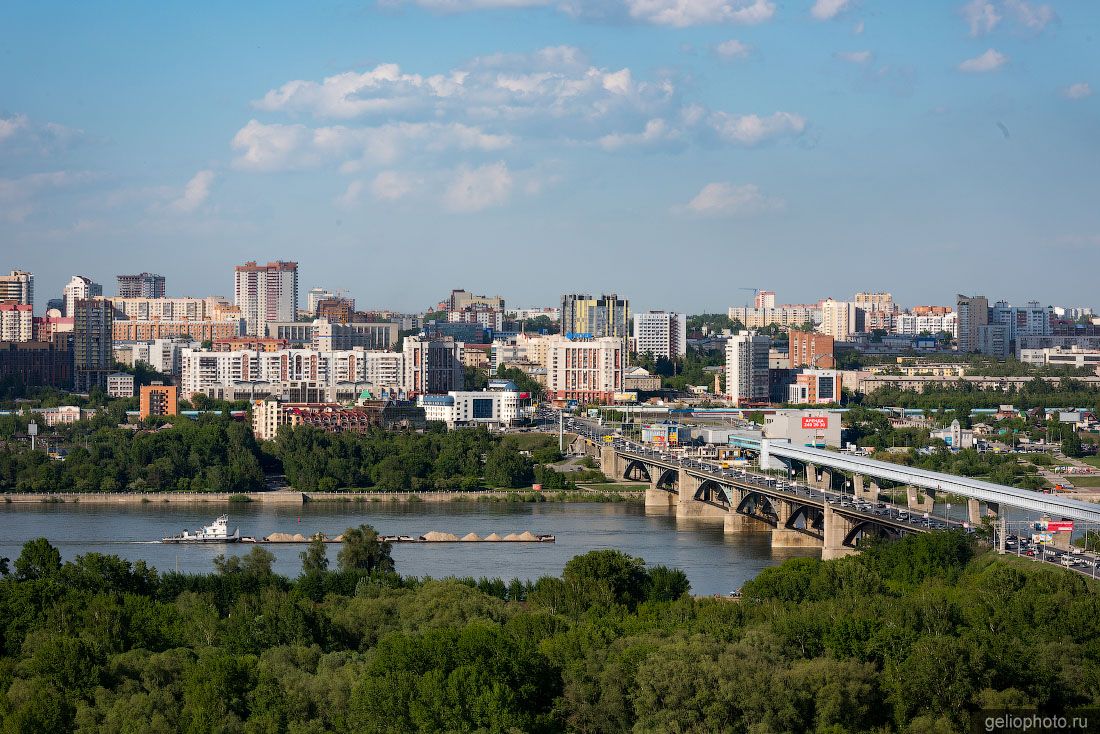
810,349
368,335
461,300
37,364
815,387
158,400
660,334
120,385
79,287
265,293
584,370
488,408
842,319
607,315
143,285
432,365
747,368
294,333
973,314
16,322
93,356
17,286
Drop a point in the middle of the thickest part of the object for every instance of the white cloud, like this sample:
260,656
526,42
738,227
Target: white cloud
350,198
9,126
392,185
753,129
725,199
981,15
655,132
474,189
858,28
732,49
1080,90
1033,17
827,9
855,57
195,193
685,13
991,60
19,131
19,196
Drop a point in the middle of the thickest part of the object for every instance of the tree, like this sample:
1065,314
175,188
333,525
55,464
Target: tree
363,551
256,563
622,575
504,467
667,584
4,570
37,560
315,556
1071,445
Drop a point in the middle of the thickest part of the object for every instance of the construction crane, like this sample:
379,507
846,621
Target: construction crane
754,292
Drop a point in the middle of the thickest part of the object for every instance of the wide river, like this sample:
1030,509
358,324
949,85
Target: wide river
715,562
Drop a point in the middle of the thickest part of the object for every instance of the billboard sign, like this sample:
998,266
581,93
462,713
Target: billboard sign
1065,526
815,422
673,436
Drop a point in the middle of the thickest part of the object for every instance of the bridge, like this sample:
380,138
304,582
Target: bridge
835,506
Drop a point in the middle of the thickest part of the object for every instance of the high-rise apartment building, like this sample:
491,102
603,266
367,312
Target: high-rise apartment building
18,287
607,315
585,370
764,299
265,293
461,300
973,314
158,399
93,355
810,349
79,287
747,368
842,319
142,285
16,322
314,297
336,310
660,334
787,314
432,365
883,302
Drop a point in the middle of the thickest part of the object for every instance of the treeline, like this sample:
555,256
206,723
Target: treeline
913,636
998,468
964,396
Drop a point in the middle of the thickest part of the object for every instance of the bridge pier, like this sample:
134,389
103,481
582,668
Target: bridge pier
865,491
611,463
837,528
917,500
688,506
660,498
735,522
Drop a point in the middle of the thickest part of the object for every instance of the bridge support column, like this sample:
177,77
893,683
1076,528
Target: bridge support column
974,511
837,528
659,498
826,481
610,463
811,475
737,523
688,506
787,538
917,500
865,490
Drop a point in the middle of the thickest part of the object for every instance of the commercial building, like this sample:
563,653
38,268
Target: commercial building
584,369
79,287
815,387
16,322
1074,356
120,385
17,286
747,368
327,335
37,364
955,436
269,415
489,408
432,365
158,400
638,379
93,357
461,300
336,310
265,293
973,314
786,315
842,319
810,349
816,428
660,334
295,333
607,315
143,285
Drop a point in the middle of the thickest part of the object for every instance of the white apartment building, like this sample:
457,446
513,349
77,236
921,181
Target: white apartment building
1073,357
265,293
172,309
432,365
841,319
912,325
747,368
660,334
584,370
472,408
523,314
18,286
791,314
79,287
16,322
120,385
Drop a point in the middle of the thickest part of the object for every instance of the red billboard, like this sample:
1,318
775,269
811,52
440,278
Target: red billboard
815,422
1065,526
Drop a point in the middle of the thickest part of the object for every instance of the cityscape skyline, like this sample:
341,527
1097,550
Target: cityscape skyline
620,147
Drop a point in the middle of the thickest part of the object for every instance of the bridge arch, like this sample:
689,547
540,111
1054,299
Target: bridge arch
759,506
807,519
869,529
669,479
637,471
711,492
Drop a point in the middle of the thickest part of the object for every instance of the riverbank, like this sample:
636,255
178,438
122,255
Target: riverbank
629,493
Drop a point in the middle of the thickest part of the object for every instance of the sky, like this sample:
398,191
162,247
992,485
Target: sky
677,152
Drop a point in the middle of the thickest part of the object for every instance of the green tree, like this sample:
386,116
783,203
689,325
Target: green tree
315,556
623,576
37,560
504,467
363,551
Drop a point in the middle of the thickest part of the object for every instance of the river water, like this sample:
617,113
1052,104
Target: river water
715,563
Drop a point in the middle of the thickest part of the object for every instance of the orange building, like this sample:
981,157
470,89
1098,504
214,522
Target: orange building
159,399
250,343
200,331
808,346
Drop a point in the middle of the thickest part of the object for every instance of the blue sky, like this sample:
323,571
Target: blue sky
673,151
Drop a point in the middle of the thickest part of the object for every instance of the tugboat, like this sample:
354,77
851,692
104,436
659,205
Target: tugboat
216,532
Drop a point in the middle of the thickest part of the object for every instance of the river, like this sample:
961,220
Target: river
715,563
